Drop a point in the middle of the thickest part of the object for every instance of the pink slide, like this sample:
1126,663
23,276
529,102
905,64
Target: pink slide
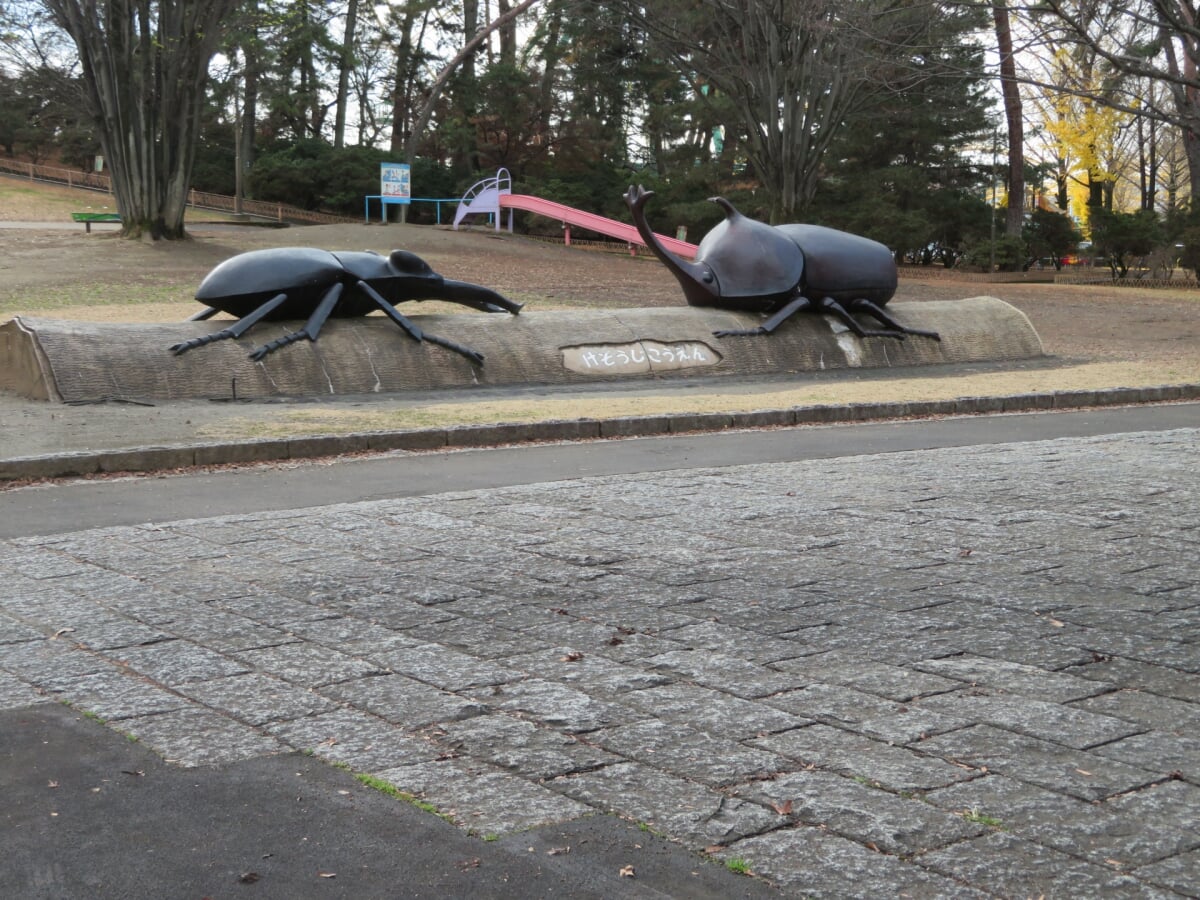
493,194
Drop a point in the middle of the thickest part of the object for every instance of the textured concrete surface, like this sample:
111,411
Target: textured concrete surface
71,361
960,672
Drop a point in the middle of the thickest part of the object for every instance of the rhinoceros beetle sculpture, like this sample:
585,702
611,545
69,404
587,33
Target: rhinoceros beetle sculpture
306,283
780,270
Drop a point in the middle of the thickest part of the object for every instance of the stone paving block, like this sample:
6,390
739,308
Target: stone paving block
1054,766
1172,804
556,705
176,662
199,737
255,698
689,753
603,640
307,665
1071,725
846,669
15,632
834,703
865,814
1178,873
733,641
723,671
112,694
485,801
483,639
853,755
685,811
712,711
15,693
1016,868
571,666
48,661
1014,678
1159,752
352,636
519,746
1146,710
444,668
1009,804
360,740
806,861
225,632
403,701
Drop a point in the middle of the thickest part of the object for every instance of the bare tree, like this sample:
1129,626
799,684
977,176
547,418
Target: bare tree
794,70
439,82
1158,40
144,65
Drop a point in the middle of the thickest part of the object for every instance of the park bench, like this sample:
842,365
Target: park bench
88,218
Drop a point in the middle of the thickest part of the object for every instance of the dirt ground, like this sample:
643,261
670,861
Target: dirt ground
1102,336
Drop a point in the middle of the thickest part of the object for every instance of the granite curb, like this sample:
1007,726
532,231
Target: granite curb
177,456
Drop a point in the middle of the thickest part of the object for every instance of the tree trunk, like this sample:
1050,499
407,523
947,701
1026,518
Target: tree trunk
144,64
1013,116
345,64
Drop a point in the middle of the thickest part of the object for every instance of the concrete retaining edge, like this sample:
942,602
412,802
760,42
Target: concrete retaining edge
160,458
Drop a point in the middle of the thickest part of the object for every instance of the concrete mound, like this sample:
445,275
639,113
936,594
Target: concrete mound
80,362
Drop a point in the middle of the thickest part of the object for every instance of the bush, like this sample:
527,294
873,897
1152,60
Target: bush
1007,253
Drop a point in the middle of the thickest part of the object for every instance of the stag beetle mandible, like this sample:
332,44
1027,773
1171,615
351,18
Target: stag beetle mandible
300,282
779,270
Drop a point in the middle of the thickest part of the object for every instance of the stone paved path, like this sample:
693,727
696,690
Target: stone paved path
962,672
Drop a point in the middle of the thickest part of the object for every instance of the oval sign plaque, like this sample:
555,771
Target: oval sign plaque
638,357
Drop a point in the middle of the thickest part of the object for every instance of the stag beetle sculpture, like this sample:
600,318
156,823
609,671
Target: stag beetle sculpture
780,270
303,282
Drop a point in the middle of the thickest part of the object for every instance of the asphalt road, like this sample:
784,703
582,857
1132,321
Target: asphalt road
74,505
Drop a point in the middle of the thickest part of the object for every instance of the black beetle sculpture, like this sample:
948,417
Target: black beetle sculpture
780,270
303,282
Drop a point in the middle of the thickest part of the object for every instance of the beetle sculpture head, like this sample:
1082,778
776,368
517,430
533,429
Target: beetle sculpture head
740,263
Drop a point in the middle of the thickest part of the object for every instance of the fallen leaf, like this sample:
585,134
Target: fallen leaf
784,809
137,773
1055,622
51,784
573,656
713,848
60,633
1114,862
627,872
558,851
249,877
1084,772
327,874
465,864
965,553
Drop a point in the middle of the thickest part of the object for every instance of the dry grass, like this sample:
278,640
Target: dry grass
1104,336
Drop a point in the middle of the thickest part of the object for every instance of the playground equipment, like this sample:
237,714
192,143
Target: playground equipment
492,195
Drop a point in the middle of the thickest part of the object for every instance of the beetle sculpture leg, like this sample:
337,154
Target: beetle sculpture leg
411,327
826,305
774,321
311,329
874,310
237,329
207,313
